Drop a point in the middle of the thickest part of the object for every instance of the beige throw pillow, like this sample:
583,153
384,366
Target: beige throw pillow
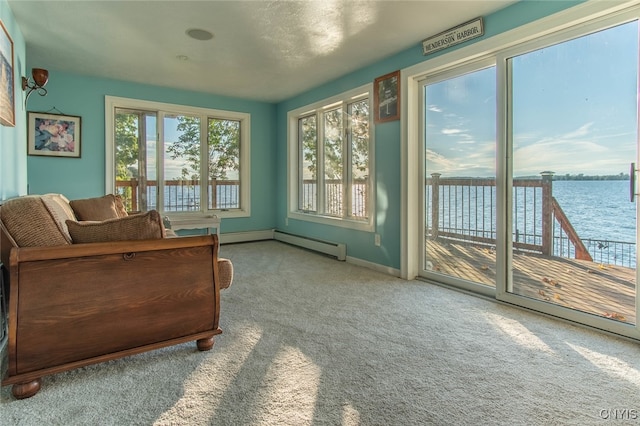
145,226
98,208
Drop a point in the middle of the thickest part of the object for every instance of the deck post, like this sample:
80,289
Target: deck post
134,194
214,193
547,213
435,204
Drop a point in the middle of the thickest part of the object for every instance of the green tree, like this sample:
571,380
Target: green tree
333,139
360,136
333,122
223,141
127,147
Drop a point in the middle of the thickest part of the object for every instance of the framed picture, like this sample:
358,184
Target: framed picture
7,104
386,97
53,135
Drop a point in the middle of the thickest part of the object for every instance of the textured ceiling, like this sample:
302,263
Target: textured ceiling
261,50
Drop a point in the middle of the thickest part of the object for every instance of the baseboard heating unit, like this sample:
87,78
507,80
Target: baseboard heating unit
337,250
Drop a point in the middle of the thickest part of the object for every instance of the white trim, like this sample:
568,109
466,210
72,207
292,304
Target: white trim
374,266
113,102
410,181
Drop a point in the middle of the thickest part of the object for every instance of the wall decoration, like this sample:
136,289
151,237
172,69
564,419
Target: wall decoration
386,97
7,104
453,36
53,135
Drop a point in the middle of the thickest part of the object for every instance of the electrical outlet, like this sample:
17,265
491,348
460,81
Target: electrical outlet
376,240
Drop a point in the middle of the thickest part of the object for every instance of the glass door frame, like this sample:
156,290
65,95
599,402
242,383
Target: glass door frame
504,288
457,71
415,145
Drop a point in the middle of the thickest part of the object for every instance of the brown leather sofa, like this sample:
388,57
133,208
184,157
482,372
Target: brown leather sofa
88,283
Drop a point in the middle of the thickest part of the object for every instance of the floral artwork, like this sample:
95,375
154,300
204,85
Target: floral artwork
54,135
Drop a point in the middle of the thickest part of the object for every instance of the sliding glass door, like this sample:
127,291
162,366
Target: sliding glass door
529,166
460,176
573,135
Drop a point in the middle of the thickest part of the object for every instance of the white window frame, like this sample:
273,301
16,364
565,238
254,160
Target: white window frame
204,214
293,169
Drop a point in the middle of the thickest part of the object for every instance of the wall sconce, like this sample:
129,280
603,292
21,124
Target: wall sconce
39,78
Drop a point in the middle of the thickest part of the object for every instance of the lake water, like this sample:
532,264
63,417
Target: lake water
598,209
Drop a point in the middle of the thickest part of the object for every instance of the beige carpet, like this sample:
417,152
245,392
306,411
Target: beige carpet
309,340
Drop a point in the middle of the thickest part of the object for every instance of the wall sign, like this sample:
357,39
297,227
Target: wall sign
453,36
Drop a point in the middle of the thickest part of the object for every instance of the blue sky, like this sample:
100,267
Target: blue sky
574,109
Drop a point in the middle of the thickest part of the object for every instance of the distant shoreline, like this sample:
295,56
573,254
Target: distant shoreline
621,176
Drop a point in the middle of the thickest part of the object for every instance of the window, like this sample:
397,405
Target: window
331,154
178,159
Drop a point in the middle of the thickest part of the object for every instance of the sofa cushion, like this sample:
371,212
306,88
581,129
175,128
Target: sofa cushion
98,208
31,224
60,210
145,226
122,211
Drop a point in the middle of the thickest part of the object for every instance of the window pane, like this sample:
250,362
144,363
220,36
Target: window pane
333,162
359,131
307,129
181,163
224,164
135,158
460,177
574,136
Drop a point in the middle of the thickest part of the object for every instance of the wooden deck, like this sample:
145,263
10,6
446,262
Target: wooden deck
605,290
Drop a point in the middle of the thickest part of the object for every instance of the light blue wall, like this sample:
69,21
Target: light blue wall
388,175
85,176
13,145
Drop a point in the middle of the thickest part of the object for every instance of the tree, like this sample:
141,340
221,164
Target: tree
223,142
127,147
360,136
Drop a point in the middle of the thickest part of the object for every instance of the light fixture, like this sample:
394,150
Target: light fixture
39,78
199,34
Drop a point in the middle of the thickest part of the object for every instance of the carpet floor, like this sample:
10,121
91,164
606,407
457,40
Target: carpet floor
308,340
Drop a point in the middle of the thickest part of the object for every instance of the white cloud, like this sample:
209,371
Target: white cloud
575,151
451,131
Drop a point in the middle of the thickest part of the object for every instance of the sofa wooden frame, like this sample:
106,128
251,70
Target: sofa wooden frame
81,304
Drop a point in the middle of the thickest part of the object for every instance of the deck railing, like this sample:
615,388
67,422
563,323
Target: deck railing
464,209
184,195
179,195
333,196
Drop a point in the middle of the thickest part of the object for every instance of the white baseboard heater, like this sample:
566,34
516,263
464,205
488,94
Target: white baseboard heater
337,250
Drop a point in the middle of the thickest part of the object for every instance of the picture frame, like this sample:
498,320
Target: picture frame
54,135
386,97
7,93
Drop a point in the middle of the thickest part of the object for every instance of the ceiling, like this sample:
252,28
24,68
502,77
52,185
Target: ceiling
261,50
